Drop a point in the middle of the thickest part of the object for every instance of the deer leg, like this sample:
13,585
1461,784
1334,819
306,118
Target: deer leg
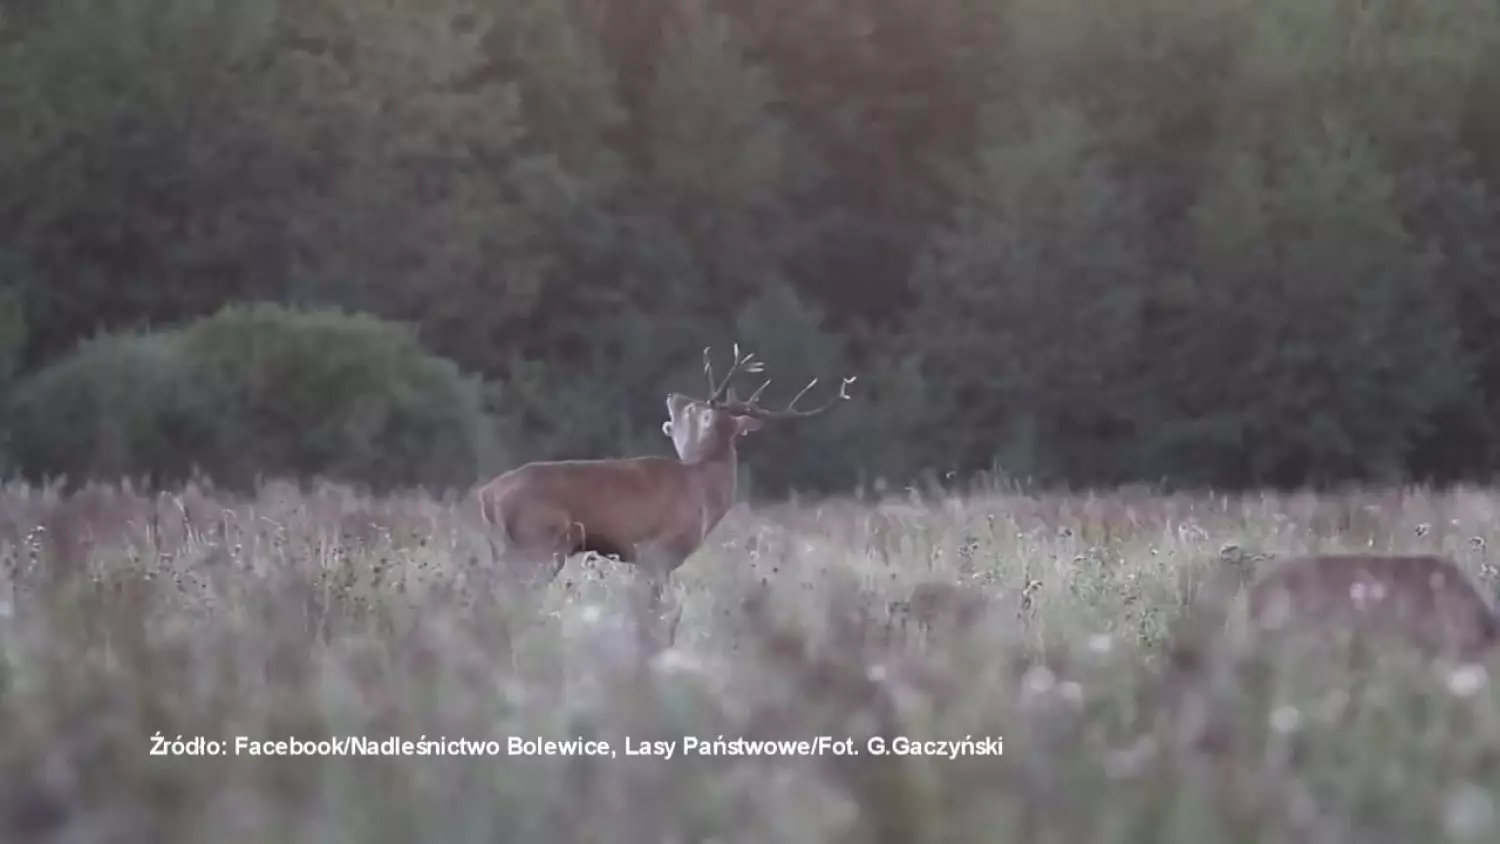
539,549
651,589
654,578
530,568
541,569
646,597
667,616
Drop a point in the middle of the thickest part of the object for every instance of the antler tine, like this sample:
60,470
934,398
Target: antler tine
750,409
758,390
716,392
800,393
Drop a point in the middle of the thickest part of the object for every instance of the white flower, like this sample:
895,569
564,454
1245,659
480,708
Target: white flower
676,661
1285,719
1469,814
1101,644
1127,763
1465,680
1038,680
1070,692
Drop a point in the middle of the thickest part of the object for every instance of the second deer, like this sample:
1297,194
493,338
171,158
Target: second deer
1425,600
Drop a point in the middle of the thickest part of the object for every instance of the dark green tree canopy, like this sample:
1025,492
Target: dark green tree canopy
1212,243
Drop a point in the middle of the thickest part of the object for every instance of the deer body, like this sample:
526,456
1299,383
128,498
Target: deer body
652,512
1427,600
932,603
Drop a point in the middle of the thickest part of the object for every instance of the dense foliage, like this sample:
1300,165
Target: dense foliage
255,391
1226,242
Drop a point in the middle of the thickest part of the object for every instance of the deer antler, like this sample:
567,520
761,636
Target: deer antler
747,362
750,408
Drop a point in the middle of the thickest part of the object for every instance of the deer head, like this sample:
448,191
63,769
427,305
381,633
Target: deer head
706,429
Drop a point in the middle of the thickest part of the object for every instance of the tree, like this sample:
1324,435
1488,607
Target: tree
1308,344
1030,305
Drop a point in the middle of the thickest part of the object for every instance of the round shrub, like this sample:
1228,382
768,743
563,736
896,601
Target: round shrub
115,407
259,391
344,396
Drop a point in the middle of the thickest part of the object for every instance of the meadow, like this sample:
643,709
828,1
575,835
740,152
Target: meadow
317,613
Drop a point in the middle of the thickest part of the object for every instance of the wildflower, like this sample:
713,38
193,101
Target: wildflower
1465,680
1071,692
513,692
676,661
1101,644
1190,533
1130,762
1469,814
1366,593
1038,680
1332,707
1285,719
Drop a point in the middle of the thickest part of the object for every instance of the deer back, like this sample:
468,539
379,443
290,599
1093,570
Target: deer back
933,602
620,503
1426,599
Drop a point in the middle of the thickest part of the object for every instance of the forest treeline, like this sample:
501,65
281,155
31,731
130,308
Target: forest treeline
1226,242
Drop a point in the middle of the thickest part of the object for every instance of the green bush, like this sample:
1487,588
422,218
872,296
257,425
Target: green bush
257,390
12,340
113,408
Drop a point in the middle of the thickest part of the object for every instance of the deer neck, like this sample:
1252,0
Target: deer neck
717,481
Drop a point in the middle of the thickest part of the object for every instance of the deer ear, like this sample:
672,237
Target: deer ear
746,424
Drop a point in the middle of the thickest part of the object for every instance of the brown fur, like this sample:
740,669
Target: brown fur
650,511
1424,600
936,603
653,512
1428,600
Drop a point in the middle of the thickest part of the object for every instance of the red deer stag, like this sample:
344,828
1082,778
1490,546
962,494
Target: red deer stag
653,512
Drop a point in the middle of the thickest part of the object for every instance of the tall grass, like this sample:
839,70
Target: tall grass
315,614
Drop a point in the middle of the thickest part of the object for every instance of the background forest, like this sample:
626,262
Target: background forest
1217,242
